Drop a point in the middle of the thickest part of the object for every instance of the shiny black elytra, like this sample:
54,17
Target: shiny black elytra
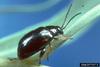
39,38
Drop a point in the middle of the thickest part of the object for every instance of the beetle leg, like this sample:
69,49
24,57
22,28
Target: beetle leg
41,54
49,50
64,37
56,38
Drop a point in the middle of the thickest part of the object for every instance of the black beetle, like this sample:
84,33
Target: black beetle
38,39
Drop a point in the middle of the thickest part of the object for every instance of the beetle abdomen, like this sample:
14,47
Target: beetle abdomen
31,47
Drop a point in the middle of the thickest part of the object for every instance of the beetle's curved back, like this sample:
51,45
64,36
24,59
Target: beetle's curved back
32,42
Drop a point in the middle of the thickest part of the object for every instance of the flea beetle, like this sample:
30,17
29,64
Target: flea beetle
37,40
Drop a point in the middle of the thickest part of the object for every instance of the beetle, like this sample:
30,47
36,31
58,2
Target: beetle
37,40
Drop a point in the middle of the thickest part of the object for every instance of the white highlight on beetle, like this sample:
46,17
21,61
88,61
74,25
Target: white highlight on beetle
59,28
54,30
26,40
45,32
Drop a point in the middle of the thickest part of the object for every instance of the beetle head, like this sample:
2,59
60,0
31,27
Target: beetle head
56,30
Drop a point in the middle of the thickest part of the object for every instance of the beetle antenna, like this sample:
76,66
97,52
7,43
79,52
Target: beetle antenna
66,15
71,19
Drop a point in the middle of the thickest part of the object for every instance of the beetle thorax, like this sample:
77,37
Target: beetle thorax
55,30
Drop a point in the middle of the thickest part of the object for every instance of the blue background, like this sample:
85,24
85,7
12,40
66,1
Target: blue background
85,49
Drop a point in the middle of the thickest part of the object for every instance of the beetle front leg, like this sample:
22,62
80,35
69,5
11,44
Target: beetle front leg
63,37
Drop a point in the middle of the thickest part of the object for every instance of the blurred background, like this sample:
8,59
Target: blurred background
83,50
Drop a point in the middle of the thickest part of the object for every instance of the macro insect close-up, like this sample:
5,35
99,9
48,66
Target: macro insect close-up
38,39
37,33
